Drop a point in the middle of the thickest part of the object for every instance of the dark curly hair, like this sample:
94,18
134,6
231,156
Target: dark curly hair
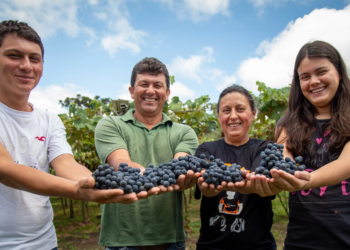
152,66
298,122
22,30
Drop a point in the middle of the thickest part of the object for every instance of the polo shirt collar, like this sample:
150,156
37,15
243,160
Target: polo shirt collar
129,116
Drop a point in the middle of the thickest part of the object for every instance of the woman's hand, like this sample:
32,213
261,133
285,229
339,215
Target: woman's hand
262,186
208,190
299,181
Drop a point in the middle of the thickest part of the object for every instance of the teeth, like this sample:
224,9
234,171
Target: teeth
235,125
317,90
150,100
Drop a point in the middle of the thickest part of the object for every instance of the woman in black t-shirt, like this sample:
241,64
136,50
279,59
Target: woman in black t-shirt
316,125
232,217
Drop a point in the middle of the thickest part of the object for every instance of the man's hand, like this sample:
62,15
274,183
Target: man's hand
291,183
146,194
208,190
186,181
86,191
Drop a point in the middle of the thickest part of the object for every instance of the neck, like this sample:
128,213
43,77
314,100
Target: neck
15,102
323,113
149,121
237,142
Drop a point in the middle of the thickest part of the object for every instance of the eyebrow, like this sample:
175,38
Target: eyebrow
21,52
323,67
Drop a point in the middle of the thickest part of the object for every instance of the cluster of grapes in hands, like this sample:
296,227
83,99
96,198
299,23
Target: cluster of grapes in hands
272,158
217,172
130,179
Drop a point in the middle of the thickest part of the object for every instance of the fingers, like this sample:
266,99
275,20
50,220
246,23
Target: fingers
146,194
124,199
289,182
188,180
86,182
302,175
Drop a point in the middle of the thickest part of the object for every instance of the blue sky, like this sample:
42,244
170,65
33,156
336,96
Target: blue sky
91,46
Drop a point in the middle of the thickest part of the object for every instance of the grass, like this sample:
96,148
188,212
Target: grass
74,234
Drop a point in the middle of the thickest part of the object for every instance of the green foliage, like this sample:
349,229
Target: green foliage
80,126
271,105
82,101
200,115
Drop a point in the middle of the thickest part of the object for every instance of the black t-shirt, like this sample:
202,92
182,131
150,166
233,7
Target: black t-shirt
319,218
232,220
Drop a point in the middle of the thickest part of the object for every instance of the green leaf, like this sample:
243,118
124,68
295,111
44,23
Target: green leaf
172,79
175,99
79,124
82,115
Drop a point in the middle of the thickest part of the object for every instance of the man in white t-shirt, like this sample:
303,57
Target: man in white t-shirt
30,139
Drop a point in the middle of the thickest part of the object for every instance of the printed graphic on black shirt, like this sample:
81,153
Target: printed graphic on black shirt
231,207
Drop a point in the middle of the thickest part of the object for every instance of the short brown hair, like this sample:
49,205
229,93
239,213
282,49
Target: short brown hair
22,30
150,65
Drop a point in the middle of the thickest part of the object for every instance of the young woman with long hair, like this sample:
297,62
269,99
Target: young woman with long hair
316,126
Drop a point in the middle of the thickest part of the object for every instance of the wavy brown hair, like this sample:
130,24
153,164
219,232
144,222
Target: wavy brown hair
298,121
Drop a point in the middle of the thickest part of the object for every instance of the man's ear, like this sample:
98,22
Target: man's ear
167,94
131,90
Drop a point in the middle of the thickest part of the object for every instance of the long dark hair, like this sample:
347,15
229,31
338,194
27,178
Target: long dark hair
298,121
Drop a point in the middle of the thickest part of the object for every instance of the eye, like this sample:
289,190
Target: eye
14,56
36,59
304,78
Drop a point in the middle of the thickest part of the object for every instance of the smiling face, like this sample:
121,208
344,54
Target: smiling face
149,94
319,81
21,67
235,117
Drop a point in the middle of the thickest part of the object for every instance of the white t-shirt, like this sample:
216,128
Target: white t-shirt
33,139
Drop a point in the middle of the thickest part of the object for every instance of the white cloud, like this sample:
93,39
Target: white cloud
47,97
123,92
275,61
120,35
46,17
93,2
182,91
198,10
191,67
225,81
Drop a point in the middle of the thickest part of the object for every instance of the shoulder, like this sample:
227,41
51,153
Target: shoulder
258,142
110,121
181,130
47,116
210,146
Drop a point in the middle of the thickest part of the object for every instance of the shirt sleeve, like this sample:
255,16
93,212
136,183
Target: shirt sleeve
188,143
202,149
57,144
108,138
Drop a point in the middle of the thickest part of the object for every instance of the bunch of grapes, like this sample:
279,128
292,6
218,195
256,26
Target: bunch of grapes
130,179
217,172
272,158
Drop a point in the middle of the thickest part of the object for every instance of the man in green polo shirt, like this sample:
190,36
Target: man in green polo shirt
140,137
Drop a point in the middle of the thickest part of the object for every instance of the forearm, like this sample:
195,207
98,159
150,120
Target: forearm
27,179
331,174
115,163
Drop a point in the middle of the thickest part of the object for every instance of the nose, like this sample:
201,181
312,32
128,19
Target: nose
233,115
25,64
314,80
150,90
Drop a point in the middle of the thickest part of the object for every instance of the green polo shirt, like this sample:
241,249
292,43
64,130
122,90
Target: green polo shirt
157,219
